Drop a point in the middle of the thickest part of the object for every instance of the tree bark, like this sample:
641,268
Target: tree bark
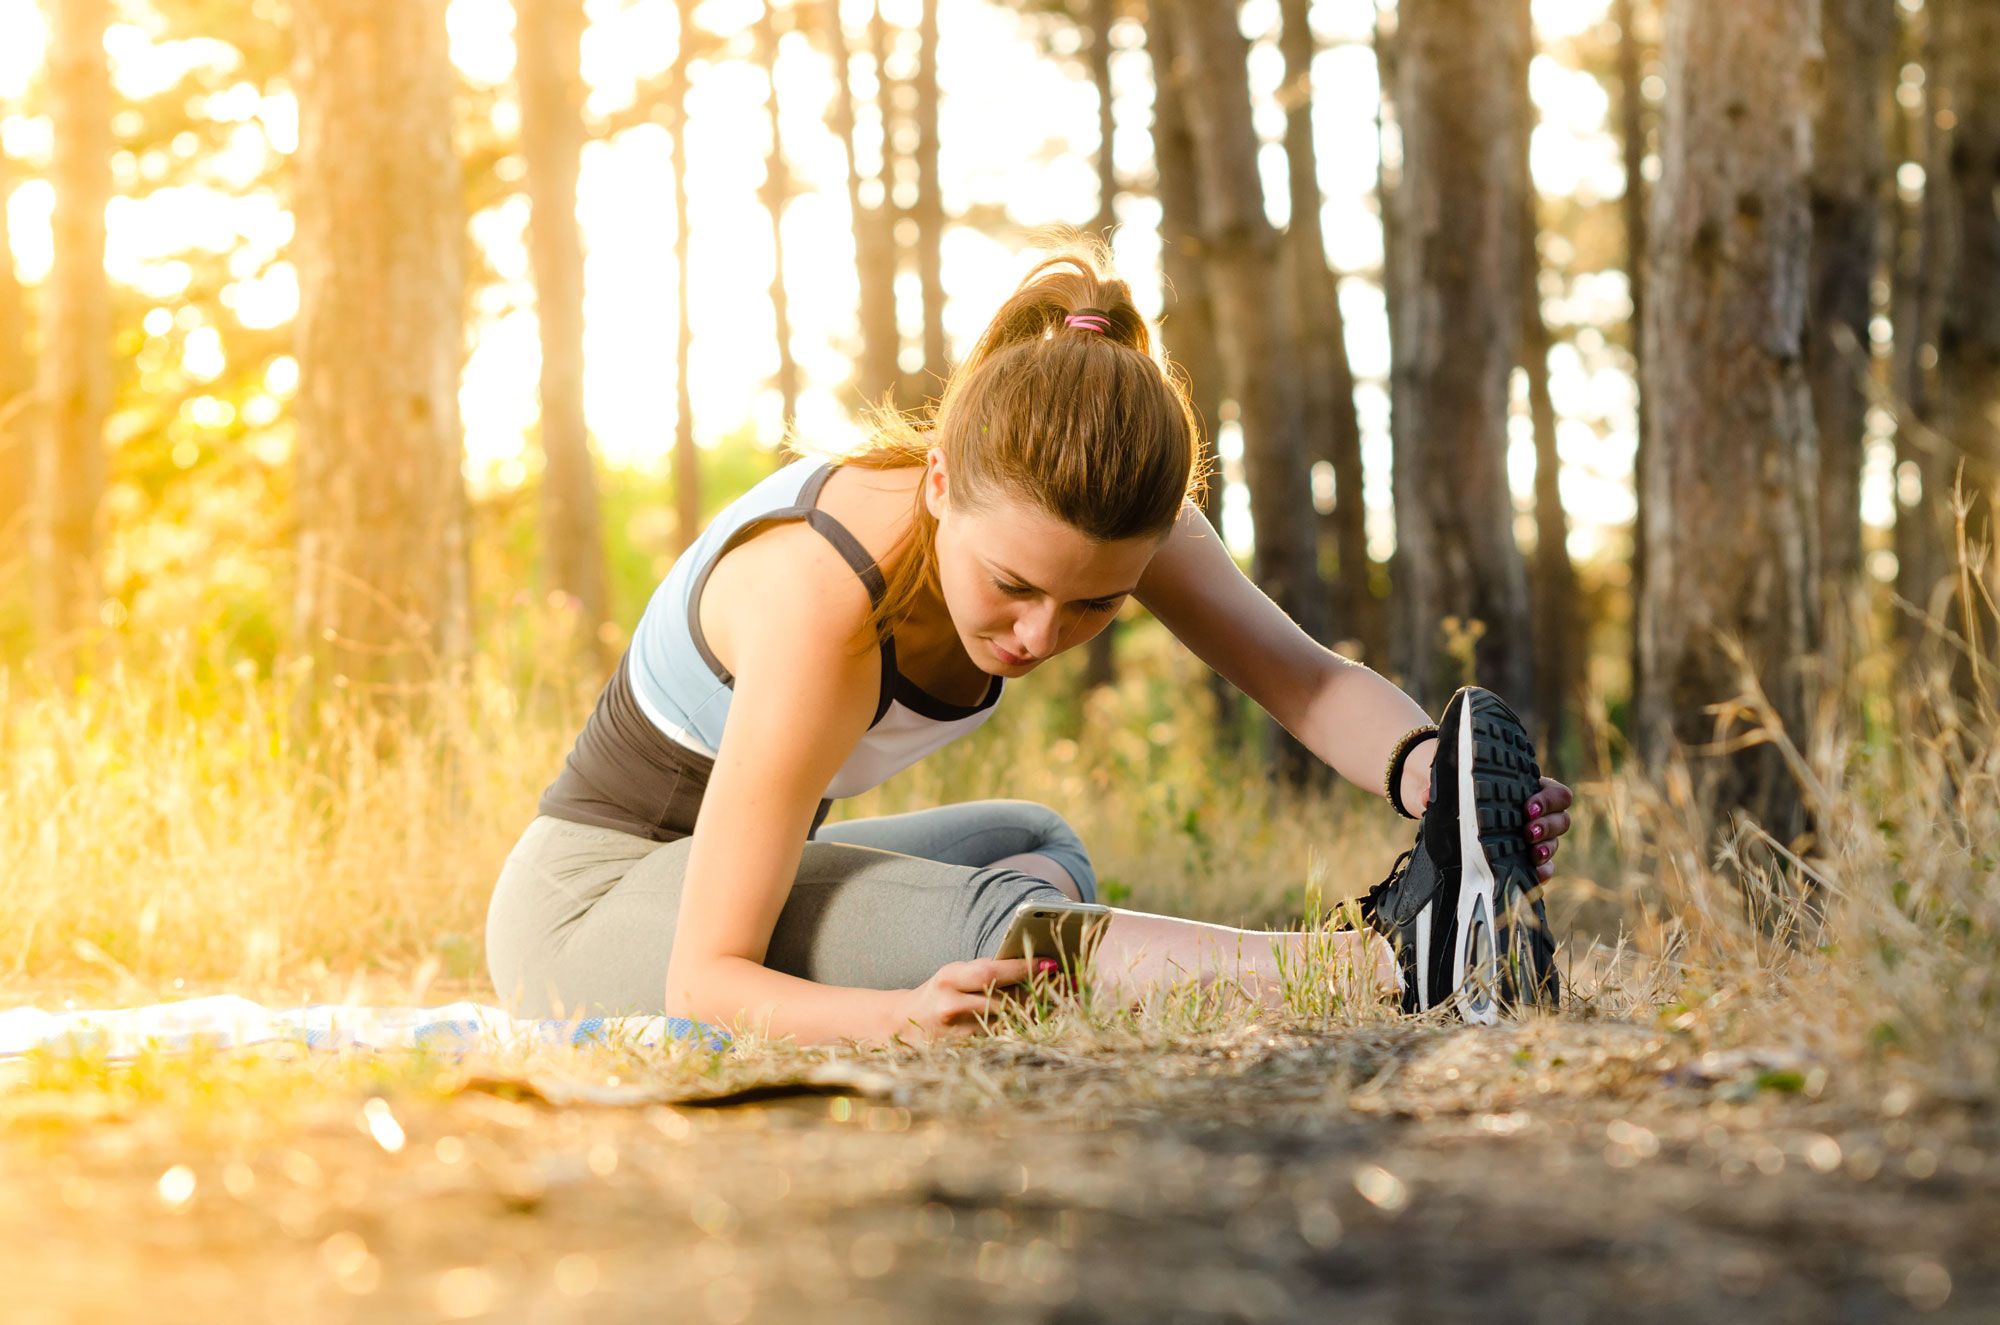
928,211
1459,211
1260,356
1969,334
75,385
17,386
1187,321
868,203
1730,523
1333,430
1555,635
1632,143
549,35
382,595
687,461
1100,664
1922,263
777,193
1849,177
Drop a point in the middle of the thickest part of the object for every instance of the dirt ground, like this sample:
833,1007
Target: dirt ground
1556,1171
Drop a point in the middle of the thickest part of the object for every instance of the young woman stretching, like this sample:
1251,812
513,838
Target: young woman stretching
842,619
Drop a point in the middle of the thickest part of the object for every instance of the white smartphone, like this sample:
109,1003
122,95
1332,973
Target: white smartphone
1066,931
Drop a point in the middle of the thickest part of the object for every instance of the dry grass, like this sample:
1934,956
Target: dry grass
166,830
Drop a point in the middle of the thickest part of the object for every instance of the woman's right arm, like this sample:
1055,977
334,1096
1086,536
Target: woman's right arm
804,695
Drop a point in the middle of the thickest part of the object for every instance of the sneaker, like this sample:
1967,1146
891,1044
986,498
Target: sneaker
1463,907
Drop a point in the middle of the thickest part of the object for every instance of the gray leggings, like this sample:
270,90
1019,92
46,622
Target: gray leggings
582,918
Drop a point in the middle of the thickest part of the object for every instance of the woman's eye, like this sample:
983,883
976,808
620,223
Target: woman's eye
1011,588
1102,605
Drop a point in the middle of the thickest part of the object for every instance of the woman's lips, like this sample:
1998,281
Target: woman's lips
1011,659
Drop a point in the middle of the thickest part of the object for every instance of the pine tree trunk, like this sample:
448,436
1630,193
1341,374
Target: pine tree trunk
548,41
1969,335
1260,355
687,461
1100,664
1633,208
1849,178
776,194
928,211
1923,259
17,421
1555,634
1731,526
1332,428
75,380
1458,288
875,370
1187,322
382,597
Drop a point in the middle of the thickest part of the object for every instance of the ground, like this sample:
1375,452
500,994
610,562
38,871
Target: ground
1553,1170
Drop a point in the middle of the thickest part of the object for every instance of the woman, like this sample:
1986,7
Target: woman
842,619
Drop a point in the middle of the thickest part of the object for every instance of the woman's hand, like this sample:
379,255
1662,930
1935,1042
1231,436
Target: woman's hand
1548,819
953,1001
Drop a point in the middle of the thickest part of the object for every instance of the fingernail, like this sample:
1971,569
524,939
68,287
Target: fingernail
1045,963
1535,831
1534,808
1543,853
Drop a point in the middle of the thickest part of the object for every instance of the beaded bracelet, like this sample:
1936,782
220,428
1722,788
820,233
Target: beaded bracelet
1392,779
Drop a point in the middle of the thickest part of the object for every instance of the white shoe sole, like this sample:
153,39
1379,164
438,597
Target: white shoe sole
1475,965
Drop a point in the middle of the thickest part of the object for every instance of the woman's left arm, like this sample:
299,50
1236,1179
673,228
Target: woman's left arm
1347,714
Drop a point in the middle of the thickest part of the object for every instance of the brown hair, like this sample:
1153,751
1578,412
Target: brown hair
1085,424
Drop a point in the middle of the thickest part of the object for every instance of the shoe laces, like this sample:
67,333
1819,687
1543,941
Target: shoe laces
1396,873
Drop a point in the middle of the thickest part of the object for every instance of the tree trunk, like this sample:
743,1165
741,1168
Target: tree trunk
1187,322
1923,258
868,203
1459,210
1849,176
777,192
1632,142
382,593
1100,664
548,40
928,212
17,422
687,461
75,386
1260,357
1333,430
1556,638
1730,523
1969,335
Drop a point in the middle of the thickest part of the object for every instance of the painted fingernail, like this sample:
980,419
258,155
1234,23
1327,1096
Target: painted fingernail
1534,808
1543,853
1535,831
1045,963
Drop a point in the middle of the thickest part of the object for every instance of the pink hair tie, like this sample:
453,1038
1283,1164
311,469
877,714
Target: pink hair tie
1090,320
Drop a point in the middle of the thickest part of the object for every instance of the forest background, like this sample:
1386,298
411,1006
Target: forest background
364,366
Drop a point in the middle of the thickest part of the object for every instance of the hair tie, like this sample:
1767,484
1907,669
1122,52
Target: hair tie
1090,319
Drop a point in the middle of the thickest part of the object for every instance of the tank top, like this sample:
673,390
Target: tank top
645,755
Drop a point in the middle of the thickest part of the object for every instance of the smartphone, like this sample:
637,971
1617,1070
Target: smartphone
1066,931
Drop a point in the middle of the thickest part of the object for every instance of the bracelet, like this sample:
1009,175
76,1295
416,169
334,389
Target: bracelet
1392,779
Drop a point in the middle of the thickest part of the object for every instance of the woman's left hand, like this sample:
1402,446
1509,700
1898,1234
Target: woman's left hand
1548,819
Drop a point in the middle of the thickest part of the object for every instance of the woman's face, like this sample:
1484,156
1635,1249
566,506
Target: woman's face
1022,586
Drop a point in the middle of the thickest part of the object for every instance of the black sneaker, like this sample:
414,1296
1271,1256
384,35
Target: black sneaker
1463,906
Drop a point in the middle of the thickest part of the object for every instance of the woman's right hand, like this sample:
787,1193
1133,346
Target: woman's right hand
952,1001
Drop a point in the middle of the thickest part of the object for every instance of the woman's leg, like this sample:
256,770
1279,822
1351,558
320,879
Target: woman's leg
582,920
989,834
1140,952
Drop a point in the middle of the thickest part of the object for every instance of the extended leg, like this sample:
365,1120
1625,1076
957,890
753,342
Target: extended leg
1141,951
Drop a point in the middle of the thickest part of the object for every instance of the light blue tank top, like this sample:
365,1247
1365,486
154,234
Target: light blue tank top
685,691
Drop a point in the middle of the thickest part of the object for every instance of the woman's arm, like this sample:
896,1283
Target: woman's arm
1345,713
804,694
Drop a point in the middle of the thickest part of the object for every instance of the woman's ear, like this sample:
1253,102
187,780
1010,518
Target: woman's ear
937,486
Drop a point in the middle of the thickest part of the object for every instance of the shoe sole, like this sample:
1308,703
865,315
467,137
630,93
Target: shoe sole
1497,774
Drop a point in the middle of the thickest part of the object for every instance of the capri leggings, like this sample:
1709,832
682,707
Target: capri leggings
582,918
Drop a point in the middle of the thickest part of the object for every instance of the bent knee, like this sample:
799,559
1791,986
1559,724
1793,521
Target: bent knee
1055,838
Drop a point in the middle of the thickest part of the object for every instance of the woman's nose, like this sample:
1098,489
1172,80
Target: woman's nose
1038,632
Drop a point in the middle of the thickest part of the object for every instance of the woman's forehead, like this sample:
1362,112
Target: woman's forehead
1050,554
